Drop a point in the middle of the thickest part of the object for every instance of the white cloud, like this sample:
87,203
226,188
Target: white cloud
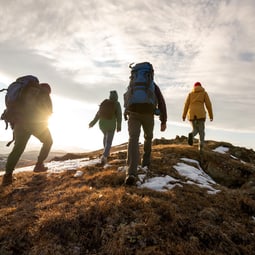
83,49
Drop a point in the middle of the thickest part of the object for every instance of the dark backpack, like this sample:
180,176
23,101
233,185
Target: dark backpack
15,96
107,109
141,87
15,89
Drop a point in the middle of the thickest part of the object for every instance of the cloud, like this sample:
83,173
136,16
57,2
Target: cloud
83,49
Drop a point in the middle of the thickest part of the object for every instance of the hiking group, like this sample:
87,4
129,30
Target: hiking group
28,107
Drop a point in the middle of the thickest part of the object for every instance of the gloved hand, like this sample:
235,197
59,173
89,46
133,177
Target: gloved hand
163,127
125,115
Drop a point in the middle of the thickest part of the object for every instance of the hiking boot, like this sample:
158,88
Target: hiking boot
39,168
190,139
7,179
145,166
103,160
130,180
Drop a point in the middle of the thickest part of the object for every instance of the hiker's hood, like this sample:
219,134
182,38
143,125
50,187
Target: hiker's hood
113,95
198,89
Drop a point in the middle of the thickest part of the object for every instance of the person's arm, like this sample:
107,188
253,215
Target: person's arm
118,117
162,107
208,105
186,107
94,121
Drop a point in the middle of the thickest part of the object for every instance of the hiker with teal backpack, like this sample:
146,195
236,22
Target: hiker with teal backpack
109,116
194,106
28,107
142,100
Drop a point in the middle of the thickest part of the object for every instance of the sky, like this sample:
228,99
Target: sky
83,50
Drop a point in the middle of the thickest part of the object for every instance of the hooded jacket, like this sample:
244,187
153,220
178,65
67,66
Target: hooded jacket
110,125
194,104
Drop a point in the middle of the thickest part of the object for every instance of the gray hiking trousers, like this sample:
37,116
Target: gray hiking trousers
198,127
135,122
22,135
107,142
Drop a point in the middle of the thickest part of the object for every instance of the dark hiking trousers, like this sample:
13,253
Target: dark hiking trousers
22,135
107,142
135,122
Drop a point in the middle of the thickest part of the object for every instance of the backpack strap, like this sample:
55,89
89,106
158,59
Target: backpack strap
4,118
10,142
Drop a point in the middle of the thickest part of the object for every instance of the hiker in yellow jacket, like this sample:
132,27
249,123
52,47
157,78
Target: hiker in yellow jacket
195,105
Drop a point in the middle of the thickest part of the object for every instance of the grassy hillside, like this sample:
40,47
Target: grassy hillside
96,214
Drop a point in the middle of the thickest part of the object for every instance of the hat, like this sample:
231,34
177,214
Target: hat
113,95
46,87
197,84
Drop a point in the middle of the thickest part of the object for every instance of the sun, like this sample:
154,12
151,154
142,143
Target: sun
61,128
69,125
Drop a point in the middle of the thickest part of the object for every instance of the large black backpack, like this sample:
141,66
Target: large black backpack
14,98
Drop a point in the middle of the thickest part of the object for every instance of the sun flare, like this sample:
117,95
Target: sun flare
68,129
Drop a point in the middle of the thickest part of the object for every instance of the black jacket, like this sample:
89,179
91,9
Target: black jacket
149,108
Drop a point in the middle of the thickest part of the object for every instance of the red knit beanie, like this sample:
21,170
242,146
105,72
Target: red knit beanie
197,84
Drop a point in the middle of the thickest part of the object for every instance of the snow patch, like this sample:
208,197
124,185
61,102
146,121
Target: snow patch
193,175
162,183
221,149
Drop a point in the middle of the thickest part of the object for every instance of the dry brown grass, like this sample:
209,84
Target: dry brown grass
97,214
